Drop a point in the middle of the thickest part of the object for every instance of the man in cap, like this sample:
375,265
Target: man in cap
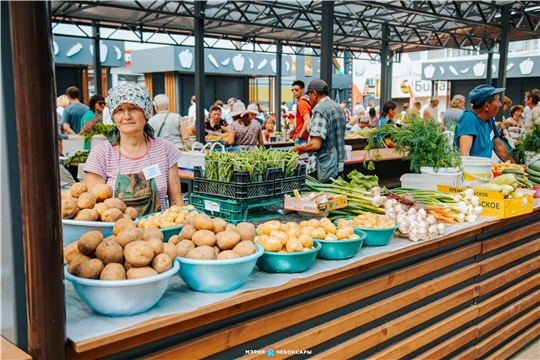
326,146
476,132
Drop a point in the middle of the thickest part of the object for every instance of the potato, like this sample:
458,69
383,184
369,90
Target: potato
111,215
175,239
100,208
329,228
227,240
189,221
170,250
128,235
86,215
88,243
102,192
202,253
245,248
90,269
110,237
330,237
187,232
126,216
75,262
230,227
216,250
131,212
342,234
71,251
272,243
293,225
306,240
127,265
122,224
157,245
203,222
152,233
162,263
115,203
183,247
246,231
227,254
69,208
140,272
113,271
77,189
65,194
219,225
318,233
294,245
139,253
109,251
204,237
86,201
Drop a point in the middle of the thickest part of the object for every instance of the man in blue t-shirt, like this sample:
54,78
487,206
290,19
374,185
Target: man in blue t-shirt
73,113
476,132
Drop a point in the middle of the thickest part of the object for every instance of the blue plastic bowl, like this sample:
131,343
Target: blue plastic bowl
377,237
283,262
168,232
341,249
215,276
122,297
72,230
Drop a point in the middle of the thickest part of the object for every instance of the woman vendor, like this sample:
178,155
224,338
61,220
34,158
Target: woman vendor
141,169
243,131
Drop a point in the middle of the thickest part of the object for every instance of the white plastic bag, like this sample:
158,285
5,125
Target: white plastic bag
196,158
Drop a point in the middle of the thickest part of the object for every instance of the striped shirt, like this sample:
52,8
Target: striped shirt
105,161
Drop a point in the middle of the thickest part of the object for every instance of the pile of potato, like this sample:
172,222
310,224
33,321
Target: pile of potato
171,217
78,203
368,220
205,238
130,253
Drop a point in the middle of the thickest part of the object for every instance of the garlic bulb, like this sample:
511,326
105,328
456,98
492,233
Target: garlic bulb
401,218
422,212
411,217
422,234
420,217
430,219
398,207
441,229
413,235
432,231
411,211
414,224
404,228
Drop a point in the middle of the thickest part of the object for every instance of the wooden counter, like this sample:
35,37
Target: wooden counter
472,294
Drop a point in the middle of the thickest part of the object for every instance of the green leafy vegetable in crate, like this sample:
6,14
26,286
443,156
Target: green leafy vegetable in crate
78,158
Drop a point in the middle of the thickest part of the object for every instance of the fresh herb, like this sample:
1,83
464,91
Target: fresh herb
95,127
79,157
531,142
420,141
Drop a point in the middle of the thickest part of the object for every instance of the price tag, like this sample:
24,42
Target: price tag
211,206
151,171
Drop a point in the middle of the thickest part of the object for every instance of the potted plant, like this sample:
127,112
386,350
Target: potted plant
529,147
420,141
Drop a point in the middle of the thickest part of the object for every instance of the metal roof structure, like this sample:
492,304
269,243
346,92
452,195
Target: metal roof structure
357,26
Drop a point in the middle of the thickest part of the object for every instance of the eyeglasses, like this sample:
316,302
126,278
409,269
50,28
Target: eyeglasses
100,102
295,90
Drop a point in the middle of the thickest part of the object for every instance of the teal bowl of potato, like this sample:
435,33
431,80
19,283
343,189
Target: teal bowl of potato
341,249
293,262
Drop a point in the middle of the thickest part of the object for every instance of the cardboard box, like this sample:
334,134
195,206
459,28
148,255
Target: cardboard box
294,204
495,204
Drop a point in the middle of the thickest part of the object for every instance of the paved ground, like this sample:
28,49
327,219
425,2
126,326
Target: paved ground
531,352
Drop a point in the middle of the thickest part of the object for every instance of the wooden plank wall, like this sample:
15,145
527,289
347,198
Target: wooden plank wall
479,301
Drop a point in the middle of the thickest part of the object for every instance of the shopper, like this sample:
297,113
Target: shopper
476,133
228,109
141,169
532,98
268,126
92,117
215,122
430,112
303,113
192,112
73,113
451,116
243,131
326,146
169,125
372,119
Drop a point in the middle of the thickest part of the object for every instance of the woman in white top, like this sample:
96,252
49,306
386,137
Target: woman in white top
169,125
532,98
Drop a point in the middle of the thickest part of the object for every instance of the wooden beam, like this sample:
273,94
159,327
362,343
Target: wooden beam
507,276
450,345
510,256
510,237
513,346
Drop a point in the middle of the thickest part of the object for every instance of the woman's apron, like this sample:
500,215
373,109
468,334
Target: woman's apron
136,191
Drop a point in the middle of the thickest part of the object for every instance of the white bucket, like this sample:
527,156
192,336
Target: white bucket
445,175
476,168
348,149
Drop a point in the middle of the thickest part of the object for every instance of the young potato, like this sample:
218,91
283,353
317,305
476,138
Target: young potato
306,240
102,192
109,251
175,239
183,248
69,208
189,221
170,250
152,233
65,194
89,242
202,253
272,243
77,189
330,237
86,201
187,232
227,240
100,208
139,253
294,245
90,269
227,254
111,215
71,251
216,250
122,224
86,215
131,212
113,271
204,237
157,245
245,248
140,272
75,262
219,225
129,235
246,231
115,203
203,222
161,263
231,227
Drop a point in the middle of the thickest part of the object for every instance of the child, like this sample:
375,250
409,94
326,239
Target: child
268,127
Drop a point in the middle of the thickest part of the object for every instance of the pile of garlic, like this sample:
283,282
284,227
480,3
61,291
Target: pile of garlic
468,205
417,225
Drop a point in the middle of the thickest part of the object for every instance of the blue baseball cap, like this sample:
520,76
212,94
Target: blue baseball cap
481,92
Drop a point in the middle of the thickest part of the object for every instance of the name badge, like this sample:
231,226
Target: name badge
151,171
491,135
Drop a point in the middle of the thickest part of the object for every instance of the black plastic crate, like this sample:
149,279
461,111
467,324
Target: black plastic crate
286,185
